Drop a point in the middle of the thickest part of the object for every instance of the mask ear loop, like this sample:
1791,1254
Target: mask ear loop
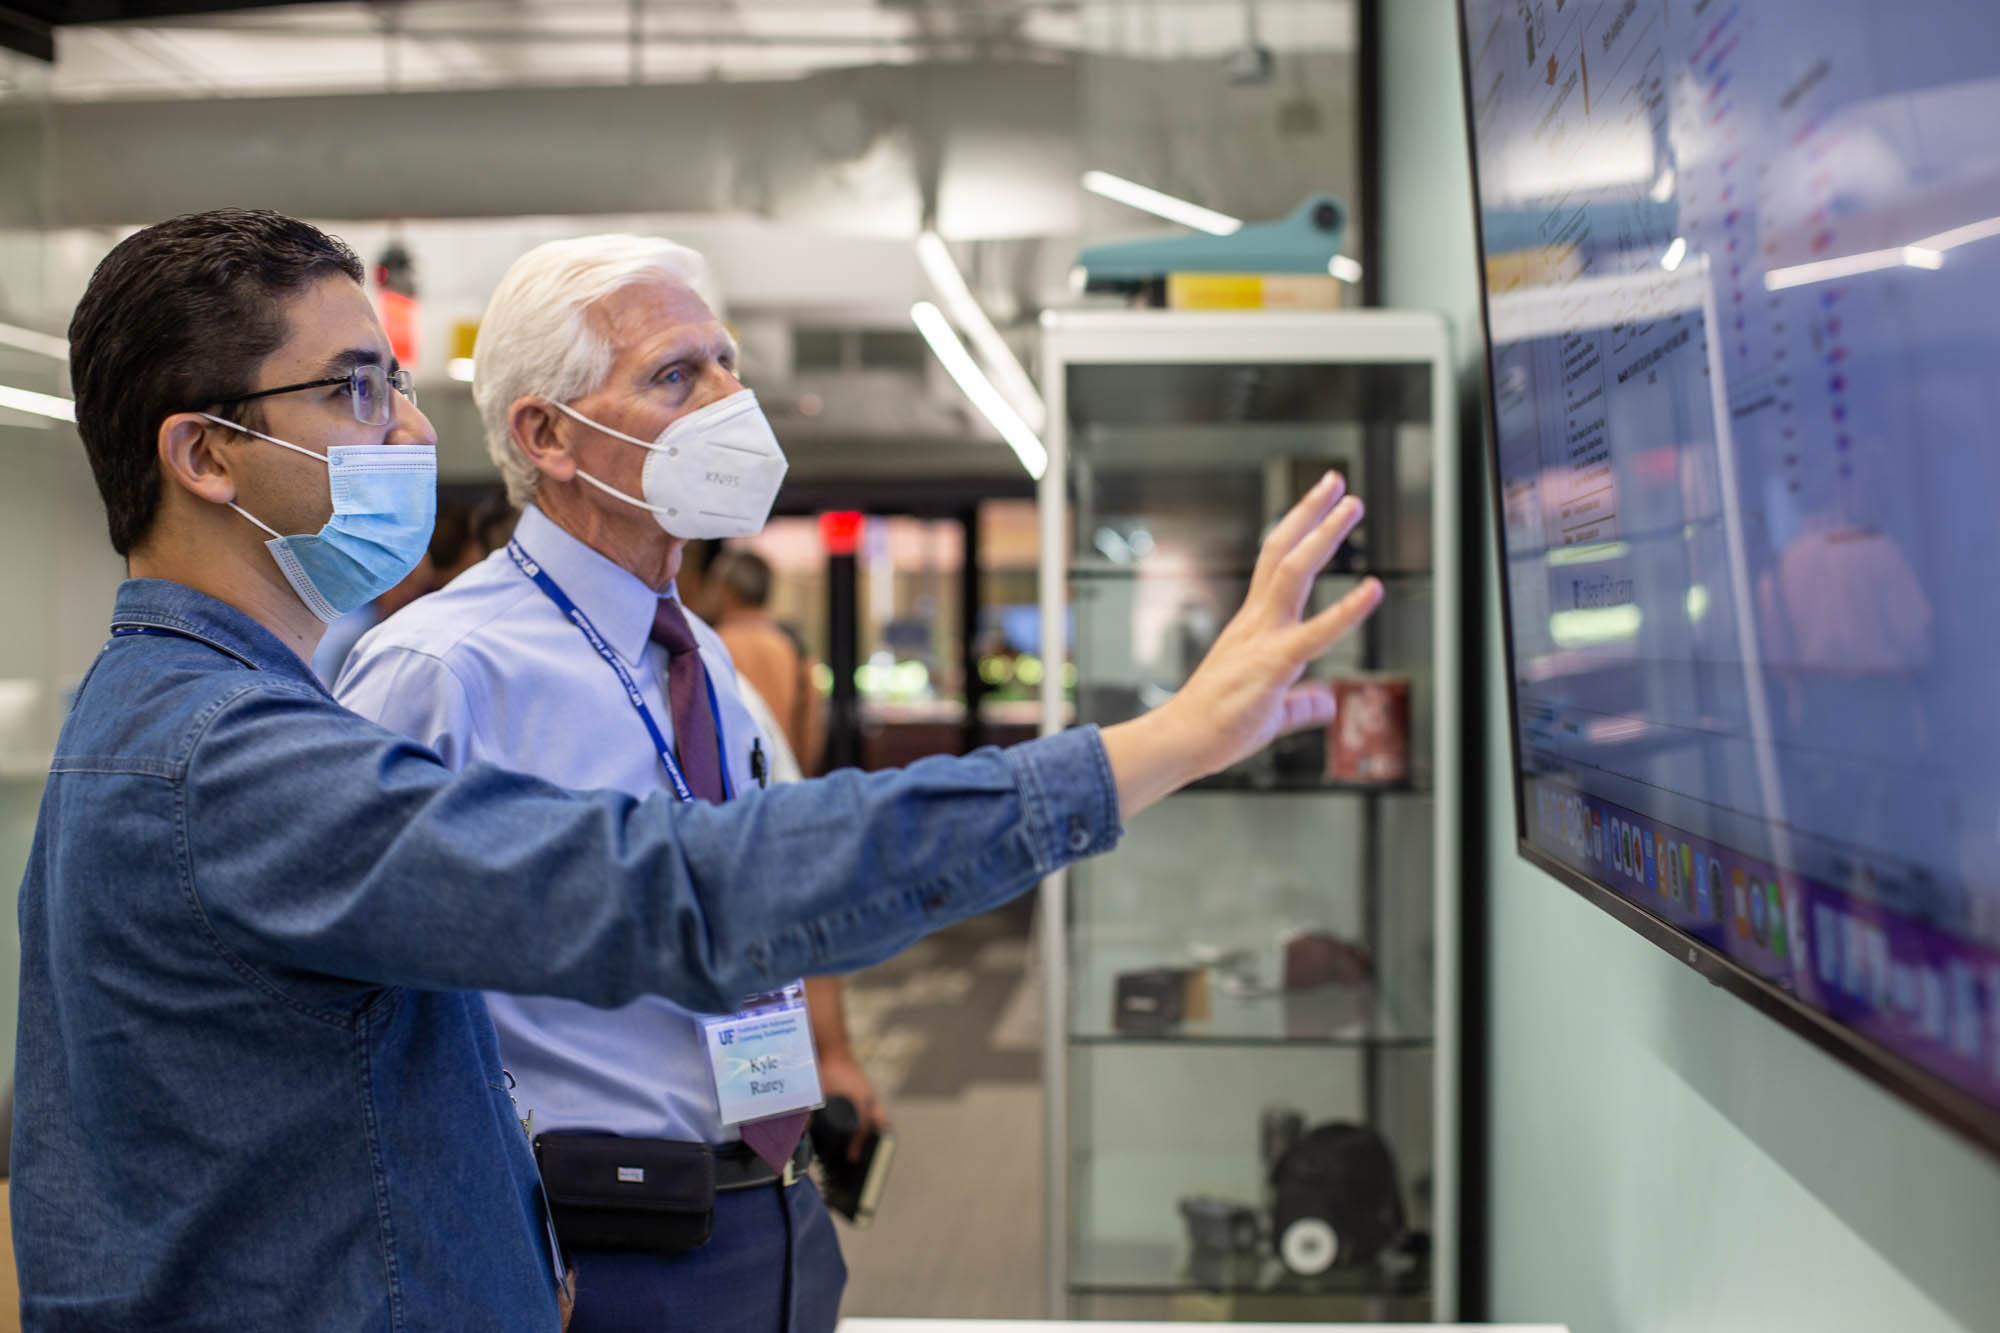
282,444
572,413
608,489
614,491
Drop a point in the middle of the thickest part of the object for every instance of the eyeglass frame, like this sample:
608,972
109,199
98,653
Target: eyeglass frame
398,379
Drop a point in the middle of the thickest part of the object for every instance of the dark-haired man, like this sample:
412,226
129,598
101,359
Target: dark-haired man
254,1087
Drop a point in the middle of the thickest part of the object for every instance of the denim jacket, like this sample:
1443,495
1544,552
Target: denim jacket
254,1087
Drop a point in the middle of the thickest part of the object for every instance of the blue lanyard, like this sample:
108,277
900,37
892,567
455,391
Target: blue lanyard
575,615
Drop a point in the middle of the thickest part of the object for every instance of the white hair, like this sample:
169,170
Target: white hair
537,337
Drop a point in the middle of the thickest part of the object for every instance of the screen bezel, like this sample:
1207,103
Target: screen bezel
1938,1098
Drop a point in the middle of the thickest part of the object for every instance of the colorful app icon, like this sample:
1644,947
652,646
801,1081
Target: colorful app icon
1759,928
1687,871
1597,834
1652,863
1704,895
1623,847
1775,913
1739,896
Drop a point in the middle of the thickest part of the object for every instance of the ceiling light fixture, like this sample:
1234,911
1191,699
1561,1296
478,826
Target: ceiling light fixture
968,314
40,404
1148,200
28,340
1344,268
993,405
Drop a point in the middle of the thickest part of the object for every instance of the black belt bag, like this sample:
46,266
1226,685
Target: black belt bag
610,1193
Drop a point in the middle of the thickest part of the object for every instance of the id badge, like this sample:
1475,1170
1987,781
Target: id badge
762,1057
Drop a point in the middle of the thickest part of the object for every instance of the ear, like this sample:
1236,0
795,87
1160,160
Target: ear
190,455
534,426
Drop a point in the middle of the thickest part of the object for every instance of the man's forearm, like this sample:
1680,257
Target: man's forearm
829,1016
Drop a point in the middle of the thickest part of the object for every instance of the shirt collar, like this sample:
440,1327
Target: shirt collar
164,604
615,599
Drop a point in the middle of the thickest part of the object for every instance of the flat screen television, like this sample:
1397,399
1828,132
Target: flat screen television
1741,268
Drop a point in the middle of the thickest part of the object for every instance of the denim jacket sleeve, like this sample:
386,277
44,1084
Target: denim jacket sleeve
319,841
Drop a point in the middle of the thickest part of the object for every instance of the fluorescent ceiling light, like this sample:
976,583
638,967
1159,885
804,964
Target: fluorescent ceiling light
30,341
958,363
460,369
41,404
969,315
1676,252
1846,266
1147,200
1347,270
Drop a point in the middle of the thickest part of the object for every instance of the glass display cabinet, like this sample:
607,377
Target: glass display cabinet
1250,1053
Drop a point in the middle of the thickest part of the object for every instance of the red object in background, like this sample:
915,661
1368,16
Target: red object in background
399,320
1369,737
840,531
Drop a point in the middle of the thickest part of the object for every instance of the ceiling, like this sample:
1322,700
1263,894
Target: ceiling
115,49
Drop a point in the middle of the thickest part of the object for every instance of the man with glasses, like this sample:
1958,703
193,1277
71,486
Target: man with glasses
256,1086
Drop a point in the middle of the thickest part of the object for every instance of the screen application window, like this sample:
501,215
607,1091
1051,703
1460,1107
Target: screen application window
1741,263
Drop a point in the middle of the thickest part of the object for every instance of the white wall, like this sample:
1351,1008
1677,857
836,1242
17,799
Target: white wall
1662,1157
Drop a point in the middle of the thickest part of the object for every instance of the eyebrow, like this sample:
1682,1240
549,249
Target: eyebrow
341,363
716,349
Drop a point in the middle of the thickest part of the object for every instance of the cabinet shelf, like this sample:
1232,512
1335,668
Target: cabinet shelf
1229,781
1235,573
1154,1268
1331,1041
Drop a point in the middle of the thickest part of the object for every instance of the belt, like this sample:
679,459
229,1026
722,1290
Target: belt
738,1167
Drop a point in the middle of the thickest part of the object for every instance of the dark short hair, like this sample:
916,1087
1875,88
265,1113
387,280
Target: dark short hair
746,574
178,318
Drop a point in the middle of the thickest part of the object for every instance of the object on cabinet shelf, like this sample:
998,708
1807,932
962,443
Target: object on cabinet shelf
1368,740
1335,1200
1253,291
1218,1224
1315,958
1158,1000
1278,1129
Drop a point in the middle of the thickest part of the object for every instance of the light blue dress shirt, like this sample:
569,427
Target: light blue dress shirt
488,669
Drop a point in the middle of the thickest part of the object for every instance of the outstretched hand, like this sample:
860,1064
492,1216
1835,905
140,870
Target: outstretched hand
1247,690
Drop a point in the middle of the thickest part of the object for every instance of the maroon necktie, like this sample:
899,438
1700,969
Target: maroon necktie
695,742
699,750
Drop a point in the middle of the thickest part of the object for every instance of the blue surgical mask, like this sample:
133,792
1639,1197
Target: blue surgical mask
384,505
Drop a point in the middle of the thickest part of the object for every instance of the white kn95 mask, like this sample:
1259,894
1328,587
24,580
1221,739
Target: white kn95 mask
713,473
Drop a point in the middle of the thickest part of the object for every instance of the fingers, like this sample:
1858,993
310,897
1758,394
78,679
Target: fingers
1307,704
1301,519
1304,561
1327,628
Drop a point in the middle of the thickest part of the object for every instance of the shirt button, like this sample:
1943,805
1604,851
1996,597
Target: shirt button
1079,833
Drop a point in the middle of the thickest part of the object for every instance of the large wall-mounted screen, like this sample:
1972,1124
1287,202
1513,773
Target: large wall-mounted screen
1742,270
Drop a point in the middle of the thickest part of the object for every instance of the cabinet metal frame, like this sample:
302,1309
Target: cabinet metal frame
1361,337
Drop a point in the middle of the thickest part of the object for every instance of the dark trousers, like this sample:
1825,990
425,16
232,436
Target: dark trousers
772,1265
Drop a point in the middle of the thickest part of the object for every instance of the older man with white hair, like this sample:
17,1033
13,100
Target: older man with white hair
610,401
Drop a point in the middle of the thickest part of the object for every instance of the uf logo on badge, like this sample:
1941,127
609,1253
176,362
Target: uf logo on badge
725,1038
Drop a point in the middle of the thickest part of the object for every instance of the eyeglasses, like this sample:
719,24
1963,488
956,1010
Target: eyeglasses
368,388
